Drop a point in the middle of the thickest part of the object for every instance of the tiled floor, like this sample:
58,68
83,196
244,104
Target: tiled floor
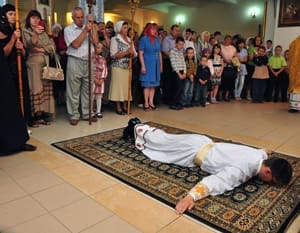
48,191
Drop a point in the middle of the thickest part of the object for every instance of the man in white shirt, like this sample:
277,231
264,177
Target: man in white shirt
229,164
76,37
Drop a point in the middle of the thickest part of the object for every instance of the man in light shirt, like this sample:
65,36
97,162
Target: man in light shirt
76,37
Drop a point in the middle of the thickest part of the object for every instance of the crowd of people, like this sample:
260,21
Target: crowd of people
180,69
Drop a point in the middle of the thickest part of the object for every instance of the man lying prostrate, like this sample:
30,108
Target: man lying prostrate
229,164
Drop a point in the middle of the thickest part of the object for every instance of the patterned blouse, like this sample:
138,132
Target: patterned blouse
118,45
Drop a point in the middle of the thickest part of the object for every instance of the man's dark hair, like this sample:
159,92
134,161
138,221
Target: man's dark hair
269,41
174,26
262,47
217,33
281,169
179,39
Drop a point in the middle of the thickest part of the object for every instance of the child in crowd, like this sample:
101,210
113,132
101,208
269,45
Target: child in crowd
269,48
202,77
179,73
243,57
100,74
260,75
191,69
218,66
278,80
207,53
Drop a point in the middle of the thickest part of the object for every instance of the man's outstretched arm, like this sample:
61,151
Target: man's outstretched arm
198,192
227,179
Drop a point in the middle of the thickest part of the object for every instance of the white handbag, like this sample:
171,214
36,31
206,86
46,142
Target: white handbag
53,73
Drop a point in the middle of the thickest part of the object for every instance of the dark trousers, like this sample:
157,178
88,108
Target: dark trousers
203,94
167,81
277,85
258,90
200,94
178,89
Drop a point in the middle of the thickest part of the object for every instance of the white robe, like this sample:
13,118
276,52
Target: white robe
229,164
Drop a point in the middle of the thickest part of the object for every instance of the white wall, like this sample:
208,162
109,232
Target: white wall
280,35
216,16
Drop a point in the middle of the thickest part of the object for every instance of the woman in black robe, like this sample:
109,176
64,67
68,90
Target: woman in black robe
8,16
13,130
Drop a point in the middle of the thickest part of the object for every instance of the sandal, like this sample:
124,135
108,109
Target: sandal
152,107
146,108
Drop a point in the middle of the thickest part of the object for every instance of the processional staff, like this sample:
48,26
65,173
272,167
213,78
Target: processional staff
133,4
19,60
90,4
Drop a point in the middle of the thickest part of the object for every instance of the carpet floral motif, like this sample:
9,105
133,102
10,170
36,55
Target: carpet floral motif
251,207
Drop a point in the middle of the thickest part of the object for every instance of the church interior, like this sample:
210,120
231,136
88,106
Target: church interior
49,191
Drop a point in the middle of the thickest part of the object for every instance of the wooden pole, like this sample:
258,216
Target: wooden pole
133,4
90,5
33,4
19,60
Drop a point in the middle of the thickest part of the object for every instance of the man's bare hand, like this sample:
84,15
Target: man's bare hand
187,203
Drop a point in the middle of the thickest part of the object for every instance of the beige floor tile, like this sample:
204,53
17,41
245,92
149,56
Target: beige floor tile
290,150
58,196
13,160
35,183
93,184
49,156
19,211
24,169
185,225
112,225
82,214
42,224
10,191
85,178
145,214
295,226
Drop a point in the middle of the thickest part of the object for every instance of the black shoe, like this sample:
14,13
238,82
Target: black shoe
174,107
120,112
28,147
293,111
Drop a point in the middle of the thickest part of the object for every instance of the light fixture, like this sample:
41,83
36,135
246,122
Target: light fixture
253,12
180,19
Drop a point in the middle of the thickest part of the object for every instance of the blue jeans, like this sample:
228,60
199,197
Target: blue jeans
187,92
200,93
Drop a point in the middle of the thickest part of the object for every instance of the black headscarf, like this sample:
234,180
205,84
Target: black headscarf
5,27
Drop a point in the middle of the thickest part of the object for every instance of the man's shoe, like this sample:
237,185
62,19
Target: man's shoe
93,119
28,147
74,122
293,111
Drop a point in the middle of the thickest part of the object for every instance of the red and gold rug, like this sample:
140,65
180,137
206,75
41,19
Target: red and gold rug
252,207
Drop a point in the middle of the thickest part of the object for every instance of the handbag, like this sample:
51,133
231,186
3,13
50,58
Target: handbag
53,73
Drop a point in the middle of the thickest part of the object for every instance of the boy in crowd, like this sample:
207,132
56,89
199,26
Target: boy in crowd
202,77
278,79
179,73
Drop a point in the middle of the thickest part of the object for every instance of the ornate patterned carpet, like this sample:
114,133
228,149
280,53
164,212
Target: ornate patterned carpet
252,207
